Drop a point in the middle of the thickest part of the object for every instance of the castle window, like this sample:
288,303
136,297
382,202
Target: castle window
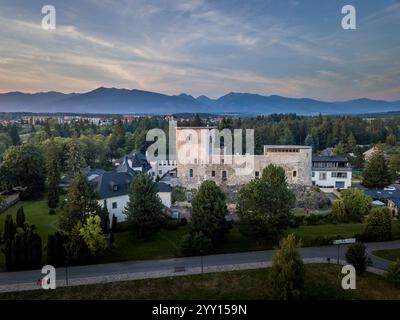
257,174
294,174
114,205
191,173
115,187
213,173
224,175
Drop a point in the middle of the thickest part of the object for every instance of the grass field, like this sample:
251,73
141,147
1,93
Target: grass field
389,254
165,244
307,233
322,282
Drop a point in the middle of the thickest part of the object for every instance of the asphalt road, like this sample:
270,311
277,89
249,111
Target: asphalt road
112,269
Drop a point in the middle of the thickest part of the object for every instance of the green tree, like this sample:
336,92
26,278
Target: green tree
356,256
196,121
53,167
14,135
56,253
93,236
194,243
393,273
339,211
20,217
81,203
105,218
264,206
24,251
144,209
391,139
5,142
340,149
208,212
23,166
287,272
377,173
309,141
9,228
76,162
394,165
378,225
351,143
357,204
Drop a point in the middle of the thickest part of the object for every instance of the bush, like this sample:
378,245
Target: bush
122,227
339,211
312,219
378,225
195,244
183,222
169,224
52,212
356,256
393,273
296,221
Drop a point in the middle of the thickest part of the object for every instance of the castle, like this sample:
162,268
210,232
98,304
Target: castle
200,157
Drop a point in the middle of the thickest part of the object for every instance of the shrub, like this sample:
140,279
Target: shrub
339,211
378,225
169,224
183,222
357,204
393,273
312,219
195,244
356,256
287,272
296,221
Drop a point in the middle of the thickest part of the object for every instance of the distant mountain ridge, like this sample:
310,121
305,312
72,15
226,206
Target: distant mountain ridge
126,101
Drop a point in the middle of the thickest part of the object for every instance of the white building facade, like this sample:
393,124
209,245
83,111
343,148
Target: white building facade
331,172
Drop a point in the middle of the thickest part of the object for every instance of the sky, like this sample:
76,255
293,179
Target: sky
292,48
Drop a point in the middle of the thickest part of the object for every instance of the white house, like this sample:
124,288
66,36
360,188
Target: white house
113,187
331,172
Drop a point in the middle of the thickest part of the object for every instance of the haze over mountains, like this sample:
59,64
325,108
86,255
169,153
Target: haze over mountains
124,101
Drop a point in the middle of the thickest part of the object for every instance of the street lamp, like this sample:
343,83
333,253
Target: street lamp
201,259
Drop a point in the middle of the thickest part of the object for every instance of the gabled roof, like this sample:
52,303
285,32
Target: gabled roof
137,159
112,184
124,167
163,187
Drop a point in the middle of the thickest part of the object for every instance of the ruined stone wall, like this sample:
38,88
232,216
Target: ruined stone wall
238,169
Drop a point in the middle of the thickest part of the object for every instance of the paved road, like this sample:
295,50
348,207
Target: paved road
148,266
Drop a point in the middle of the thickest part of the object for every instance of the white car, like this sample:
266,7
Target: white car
390,188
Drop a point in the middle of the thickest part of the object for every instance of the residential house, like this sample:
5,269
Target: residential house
389,196
332,172
113,187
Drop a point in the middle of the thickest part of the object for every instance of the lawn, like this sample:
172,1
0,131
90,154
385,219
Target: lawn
322,282
389,254
36,212
310,233
165,244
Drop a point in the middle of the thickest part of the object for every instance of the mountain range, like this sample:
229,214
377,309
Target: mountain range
124,101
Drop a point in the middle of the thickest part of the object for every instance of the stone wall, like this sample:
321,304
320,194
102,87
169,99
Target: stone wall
228,170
